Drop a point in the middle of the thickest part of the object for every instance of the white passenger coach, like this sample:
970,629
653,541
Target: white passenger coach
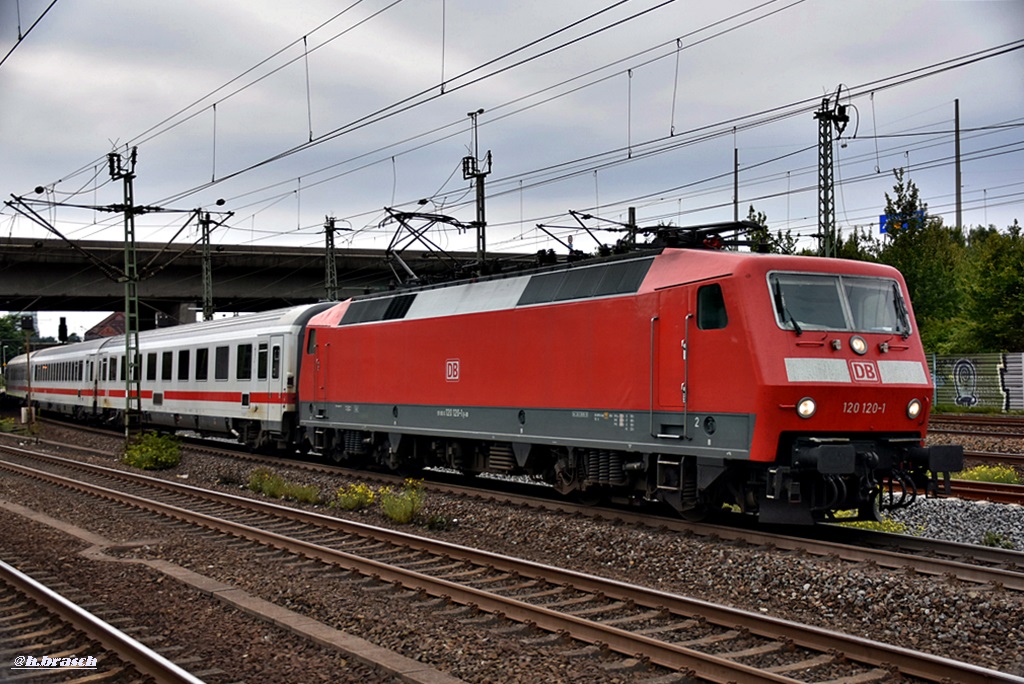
232,376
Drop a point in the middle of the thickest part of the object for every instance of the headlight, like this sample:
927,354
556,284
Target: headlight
914,409
806,407
859,345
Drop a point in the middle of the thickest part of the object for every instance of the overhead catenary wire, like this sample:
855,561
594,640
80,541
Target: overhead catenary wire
714,24
517,180
23,36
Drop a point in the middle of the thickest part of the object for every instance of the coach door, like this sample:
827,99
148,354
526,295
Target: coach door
271,375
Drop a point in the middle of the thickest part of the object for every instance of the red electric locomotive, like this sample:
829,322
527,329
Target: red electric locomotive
791,387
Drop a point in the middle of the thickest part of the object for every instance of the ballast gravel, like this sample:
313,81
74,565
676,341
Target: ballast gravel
976,624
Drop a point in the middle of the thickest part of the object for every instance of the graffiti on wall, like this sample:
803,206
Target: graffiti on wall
981,380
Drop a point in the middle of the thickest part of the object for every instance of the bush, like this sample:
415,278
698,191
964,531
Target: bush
402,506
150,451
353,497
996,473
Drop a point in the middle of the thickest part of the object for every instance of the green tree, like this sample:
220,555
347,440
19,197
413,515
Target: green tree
762,238
931,258
995,290
858,245
11,335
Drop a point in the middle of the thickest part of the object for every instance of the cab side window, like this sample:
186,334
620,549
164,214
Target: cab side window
711,313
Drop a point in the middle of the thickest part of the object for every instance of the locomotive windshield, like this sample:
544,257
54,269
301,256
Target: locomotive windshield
806,301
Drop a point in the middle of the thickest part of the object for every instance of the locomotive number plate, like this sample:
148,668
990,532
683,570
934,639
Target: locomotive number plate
866,407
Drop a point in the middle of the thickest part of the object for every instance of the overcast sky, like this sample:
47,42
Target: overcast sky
294,111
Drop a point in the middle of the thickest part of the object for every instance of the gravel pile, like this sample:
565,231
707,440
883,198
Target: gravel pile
967,522
976,624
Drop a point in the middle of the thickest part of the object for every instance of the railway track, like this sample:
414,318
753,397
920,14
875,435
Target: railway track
719,643
988,491
48,635
978,420
935,557
1005,495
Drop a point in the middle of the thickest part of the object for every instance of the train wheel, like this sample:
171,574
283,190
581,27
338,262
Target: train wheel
590,497
698,513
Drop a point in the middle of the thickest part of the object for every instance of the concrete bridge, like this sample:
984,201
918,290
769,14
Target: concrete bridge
53,275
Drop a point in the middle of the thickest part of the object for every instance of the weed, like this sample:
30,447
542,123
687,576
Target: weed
997,540
353,497
229,478
439,523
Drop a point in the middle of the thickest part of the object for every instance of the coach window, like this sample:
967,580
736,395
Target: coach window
275,362
150,367
183,364
261,362
243,362
166,363
113,369
220,363
202,364
711,314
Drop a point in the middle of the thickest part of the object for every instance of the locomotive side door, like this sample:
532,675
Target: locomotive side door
689,320
319,362
670,349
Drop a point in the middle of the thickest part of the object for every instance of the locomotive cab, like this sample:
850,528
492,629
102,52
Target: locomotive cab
846,394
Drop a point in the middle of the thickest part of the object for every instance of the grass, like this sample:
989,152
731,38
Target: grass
985,473
263,481
886,525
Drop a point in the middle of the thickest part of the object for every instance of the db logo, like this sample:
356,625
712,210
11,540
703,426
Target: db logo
451,370
864,371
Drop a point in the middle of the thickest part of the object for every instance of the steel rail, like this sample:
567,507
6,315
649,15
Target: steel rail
668,655
862,650
147,661
995,456
988,491
940,561
977,419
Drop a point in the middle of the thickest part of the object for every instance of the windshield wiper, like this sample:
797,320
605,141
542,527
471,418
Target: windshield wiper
780,304
901,311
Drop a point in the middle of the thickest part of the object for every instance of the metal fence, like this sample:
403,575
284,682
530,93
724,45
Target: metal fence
994,381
